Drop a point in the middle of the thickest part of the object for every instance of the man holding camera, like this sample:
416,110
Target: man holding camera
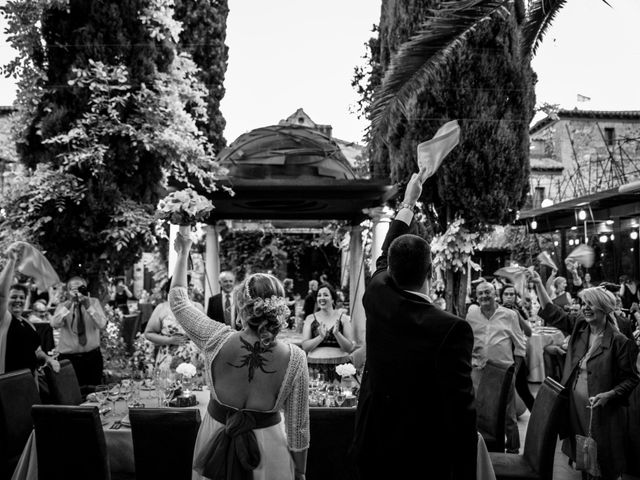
80,319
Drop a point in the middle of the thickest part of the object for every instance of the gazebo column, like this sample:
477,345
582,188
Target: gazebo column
381,218
344,262
211,263
173,256
356,282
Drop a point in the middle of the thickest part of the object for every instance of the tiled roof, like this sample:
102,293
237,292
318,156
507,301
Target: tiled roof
594,114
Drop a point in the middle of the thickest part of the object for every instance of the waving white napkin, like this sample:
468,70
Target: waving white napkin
517,276
545,259
582,254
432,152
34,264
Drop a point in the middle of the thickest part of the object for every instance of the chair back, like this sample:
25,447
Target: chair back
542,429
491,404
70,443
130,328
64,388
45,332
164,433
18,393
331,431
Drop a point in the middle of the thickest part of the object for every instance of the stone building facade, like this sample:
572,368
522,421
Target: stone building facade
578,152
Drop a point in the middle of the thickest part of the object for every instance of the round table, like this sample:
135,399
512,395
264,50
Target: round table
328,356
324,360
540,338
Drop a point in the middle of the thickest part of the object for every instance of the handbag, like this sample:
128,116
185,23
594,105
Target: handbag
587,452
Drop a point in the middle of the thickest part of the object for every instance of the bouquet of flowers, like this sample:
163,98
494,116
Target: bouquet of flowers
184,208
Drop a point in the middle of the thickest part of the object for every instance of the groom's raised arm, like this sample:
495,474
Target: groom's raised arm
400,224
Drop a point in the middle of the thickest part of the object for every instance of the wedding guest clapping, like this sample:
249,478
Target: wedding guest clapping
329,331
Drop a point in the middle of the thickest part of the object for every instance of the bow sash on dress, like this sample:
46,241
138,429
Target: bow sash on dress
234,451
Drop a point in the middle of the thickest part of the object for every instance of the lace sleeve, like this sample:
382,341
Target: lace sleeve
200,328
296,405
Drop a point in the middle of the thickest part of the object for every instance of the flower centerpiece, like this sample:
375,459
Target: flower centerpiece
184,208
347,373
187,371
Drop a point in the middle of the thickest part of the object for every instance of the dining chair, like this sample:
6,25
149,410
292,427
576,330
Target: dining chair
536,461
130,327
164,433
70,443
331,432
18,393
491,404
64,388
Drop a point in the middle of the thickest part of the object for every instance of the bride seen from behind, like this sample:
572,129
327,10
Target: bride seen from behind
252,377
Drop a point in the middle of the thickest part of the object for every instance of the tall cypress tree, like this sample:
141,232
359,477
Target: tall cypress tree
488,87
203,36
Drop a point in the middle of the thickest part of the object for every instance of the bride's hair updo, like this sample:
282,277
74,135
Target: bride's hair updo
262,305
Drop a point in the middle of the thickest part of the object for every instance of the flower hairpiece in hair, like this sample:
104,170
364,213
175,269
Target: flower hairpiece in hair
276,306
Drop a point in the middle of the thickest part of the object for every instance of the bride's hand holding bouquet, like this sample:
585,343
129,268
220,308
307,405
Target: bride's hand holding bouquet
184,208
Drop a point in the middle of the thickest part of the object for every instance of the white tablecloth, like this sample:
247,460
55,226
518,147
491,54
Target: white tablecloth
540,338
120,447
119,442
484,468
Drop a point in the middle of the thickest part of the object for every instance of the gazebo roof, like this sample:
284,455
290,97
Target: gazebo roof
293,172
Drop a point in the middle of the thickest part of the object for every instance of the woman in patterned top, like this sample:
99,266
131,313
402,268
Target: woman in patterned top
252,377
173,345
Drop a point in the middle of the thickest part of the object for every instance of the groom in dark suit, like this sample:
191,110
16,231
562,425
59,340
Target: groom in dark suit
417,379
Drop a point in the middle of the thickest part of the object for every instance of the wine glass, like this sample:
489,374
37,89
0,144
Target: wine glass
126,391
137,381
113,395
340,397
101,396
331,395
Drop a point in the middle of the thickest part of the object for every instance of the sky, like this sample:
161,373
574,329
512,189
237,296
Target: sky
290,54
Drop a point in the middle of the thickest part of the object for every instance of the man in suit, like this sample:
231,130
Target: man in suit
417,379
221,306
310,299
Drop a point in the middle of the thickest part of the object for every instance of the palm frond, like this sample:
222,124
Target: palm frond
539,17
418,60
541,14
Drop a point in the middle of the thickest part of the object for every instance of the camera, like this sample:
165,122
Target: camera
82,290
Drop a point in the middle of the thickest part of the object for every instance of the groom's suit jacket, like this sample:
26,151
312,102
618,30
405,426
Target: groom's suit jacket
416,385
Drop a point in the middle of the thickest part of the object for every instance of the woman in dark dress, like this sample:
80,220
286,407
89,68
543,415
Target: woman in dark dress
327,335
